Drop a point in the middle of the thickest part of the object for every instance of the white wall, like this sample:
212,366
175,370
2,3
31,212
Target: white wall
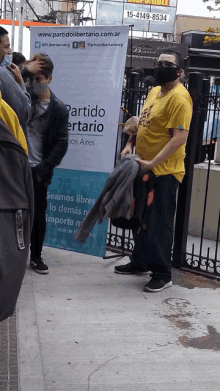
198,199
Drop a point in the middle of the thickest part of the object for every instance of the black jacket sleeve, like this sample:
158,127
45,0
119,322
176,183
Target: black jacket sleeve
59,144
55,141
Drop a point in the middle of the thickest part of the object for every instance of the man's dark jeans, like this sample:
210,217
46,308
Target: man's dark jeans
153,246
39,224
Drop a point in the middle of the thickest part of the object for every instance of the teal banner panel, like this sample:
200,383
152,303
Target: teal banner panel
69,198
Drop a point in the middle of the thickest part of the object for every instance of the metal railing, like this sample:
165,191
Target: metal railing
121,240
204,257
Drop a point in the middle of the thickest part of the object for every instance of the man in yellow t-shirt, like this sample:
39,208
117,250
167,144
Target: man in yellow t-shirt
160,145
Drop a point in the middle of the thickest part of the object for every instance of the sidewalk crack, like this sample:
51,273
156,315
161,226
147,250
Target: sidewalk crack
106,362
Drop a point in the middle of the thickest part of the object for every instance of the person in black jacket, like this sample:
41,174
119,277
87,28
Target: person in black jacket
47,139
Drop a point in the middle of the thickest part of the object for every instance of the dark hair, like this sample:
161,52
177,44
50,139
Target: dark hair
149,81
47,67
18,58
2,32
178,57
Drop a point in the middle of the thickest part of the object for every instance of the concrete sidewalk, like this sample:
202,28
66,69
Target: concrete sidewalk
84,328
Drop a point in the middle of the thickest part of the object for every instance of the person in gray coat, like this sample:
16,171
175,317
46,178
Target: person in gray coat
12,84
16,209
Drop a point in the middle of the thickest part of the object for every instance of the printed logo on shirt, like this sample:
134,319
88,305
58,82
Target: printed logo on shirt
145,116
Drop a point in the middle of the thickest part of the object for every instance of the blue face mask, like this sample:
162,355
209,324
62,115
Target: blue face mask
38,88
7,60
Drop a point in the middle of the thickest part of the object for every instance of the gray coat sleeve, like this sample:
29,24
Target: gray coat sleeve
15,96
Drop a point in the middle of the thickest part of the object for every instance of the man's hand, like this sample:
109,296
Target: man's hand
14,69
145,164
127,150
39,178
34,66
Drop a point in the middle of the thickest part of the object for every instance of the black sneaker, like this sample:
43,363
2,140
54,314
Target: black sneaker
130,269
156,285
39,266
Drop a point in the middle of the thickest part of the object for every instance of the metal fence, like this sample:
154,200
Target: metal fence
133,98
195,254
202,255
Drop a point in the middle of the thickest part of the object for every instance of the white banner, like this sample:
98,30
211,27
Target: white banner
88,73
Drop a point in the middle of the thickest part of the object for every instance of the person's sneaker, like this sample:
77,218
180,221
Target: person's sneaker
39,266
130,269
156,285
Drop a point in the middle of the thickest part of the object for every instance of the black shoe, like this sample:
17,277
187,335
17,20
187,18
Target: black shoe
39,266
156,285
130,269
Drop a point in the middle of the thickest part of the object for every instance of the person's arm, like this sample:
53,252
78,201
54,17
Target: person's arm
15,70
61,145
15,94
131,127
128,149
31,68
179,138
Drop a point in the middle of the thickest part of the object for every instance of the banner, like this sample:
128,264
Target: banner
88,73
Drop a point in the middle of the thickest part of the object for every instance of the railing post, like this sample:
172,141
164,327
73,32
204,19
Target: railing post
200,156
185,189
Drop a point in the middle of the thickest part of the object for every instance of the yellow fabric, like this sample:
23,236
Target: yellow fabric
10,118
159,116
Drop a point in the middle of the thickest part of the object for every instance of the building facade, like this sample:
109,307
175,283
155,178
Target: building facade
187,23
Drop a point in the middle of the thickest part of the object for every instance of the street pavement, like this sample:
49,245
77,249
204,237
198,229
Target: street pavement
84,328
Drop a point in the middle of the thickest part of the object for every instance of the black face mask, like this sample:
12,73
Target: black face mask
165,75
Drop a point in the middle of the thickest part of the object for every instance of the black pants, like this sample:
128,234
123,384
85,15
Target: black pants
153,246
39,224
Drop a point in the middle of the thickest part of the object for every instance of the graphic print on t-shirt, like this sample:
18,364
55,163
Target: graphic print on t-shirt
145,116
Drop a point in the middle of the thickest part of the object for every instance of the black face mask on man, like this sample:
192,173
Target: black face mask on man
165,75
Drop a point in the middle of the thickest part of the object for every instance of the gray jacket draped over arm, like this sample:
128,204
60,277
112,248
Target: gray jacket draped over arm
115,199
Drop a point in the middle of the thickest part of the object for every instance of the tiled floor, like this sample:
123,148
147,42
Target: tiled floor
8,355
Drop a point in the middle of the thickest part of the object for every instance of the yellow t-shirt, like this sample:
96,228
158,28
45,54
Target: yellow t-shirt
8,115
159,116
